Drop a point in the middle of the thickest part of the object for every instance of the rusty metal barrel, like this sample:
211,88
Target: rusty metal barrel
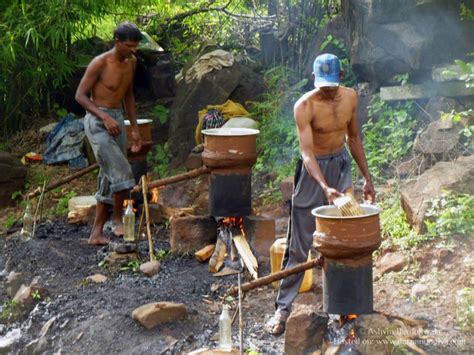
346,244
231,154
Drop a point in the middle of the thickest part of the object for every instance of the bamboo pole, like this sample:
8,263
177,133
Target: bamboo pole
177,178
277,276
147,217
65,180
39,207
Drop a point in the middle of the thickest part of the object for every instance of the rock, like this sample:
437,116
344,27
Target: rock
37,346
388,38
82,209
12,178
241,122
391,262
191,233
97,278
213,89
426,90
419,290
373,331
46,327
456,176
434,108
177,195
13,282
250,87
115,258
413,167
150,268
435,140
153,314
24,299
305,329
9,340
193,161
286,188
122,248
207,351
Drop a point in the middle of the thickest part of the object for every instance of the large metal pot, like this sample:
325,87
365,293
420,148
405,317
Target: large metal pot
230,153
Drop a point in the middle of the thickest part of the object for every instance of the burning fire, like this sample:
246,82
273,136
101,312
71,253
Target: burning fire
234,222
125,204
351,337
154,195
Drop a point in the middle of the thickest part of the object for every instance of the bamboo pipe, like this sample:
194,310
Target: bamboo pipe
177,178
277,276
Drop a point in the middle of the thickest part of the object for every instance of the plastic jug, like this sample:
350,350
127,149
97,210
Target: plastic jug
277,251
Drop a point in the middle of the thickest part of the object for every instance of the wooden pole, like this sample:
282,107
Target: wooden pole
177,178
147,217
64,180
277,276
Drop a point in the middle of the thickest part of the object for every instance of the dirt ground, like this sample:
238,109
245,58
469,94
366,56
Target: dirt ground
96,318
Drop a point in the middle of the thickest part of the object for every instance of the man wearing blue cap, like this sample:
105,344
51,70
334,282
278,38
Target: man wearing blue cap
326,119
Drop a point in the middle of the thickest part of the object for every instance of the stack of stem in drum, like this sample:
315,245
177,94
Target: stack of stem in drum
348,206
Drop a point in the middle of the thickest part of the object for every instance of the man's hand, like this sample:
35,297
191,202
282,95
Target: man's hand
332,194
111,125
369,191
136,140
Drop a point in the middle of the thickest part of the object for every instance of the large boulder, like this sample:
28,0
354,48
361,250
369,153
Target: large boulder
456,176
12,179
407,36
213,89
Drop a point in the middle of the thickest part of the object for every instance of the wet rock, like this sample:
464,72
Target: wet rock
97,278
9,340
13,282
150,268
305,329
391,262
286,188
153,314
122,248
419,290
372,331
456,176
191,233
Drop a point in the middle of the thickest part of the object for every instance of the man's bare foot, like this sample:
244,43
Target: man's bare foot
118,229
98,240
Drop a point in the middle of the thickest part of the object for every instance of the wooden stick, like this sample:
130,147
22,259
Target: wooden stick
147,217
246,255
38,207
65,180
277,276
177,178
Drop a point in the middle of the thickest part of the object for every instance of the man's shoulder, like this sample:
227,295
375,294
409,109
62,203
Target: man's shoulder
348,91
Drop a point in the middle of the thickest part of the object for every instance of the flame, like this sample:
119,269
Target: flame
154,195
351,317
125,204
237,222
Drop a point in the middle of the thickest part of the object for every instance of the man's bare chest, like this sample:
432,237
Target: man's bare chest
331,117
116,78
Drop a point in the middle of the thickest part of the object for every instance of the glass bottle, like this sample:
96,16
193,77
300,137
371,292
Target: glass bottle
129,223
225,330
27,228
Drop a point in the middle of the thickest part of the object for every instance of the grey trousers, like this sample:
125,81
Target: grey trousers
307,195
111,155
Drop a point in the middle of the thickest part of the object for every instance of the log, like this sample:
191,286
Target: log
218,256
246,254
205,253
177,178
277,276
65,180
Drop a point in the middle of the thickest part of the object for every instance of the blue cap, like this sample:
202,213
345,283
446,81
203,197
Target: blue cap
326,68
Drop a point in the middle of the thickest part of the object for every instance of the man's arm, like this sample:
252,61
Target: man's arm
357,150
90,78
305,135
129,102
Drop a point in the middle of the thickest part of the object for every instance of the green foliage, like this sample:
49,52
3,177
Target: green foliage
395,229
387,123
402,79
132,265
451,214
462,118
466,12
277,142
61,208
162,254
36,295
162,113
159,158
10,310
465,308
10,221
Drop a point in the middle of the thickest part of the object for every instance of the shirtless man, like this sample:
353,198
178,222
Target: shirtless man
326,119
105,91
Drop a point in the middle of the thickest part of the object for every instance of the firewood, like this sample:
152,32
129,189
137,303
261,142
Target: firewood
177,178
205,253
218,256
147,218
246,254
